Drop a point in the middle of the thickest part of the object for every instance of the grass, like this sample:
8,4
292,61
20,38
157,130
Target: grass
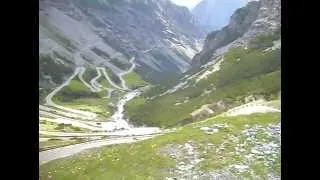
275,104
75,90
55,127
78,96
144,160
243,73
133,80
98,106
162,111
104,83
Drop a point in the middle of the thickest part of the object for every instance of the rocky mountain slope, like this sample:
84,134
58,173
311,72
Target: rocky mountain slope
161,35
214,14
220,120
238,64
257,17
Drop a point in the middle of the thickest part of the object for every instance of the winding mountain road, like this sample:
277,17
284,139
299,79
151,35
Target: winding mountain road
61,112
129,132
258,106
117,126
49,101
104,72
133,65
94,83
49,155
80,75
76,123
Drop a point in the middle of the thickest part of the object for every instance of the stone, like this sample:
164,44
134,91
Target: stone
255,151
205,128
240,168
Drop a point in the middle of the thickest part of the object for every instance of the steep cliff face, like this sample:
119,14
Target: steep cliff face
160,35
257,17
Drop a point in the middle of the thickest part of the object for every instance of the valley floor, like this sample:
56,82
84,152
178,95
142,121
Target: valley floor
79,141
85,116
242,143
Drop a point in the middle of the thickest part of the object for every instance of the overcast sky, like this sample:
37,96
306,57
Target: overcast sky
188,3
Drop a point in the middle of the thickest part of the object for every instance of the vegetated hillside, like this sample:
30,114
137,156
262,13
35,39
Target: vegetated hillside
244,147
161,35
76,95
256,18
242,73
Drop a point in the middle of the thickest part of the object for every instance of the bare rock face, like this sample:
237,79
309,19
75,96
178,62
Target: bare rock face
257,17
268,20
162,36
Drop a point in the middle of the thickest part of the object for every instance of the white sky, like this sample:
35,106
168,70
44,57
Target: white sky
188,3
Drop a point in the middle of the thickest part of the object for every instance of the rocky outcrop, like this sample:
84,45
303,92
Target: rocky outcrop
257,17
162,36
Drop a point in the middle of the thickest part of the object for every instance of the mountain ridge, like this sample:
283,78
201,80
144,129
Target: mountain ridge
161,35
256,18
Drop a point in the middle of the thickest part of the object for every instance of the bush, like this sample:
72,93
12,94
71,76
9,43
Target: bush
76,128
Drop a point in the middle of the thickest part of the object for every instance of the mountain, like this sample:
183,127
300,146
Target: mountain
220,119
240,62
161,36
257,17
214,14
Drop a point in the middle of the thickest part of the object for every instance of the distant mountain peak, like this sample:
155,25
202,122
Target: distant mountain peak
214,14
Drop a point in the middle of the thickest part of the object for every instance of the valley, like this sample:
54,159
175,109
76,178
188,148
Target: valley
134,90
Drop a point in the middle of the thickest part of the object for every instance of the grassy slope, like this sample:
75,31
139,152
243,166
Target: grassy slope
133,80
78,96
256,72
143,160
